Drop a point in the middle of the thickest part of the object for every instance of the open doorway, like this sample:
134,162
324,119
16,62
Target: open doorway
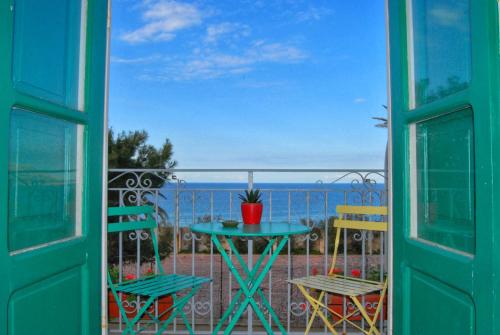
217,97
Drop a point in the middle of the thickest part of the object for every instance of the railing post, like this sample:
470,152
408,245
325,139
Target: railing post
176,224
250,260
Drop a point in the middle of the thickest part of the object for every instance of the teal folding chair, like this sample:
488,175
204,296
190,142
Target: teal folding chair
152,287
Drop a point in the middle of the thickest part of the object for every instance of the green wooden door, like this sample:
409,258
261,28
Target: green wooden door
445,153
52,84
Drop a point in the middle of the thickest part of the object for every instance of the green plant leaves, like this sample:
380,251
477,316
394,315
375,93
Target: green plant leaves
251,197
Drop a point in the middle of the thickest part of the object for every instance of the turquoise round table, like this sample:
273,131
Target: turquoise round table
278,235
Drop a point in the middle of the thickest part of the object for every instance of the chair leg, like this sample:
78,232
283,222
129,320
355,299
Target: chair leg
129,328
184,317
379,308
138,316
177,308
362,310
313,316
319,312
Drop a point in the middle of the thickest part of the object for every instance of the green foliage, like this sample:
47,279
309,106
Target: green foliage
129,247
114,272
373,273
251,197
130,150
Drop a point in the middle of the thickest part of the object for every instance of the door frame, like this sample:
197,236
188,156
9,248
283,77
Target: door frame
389,177
390,251
104,213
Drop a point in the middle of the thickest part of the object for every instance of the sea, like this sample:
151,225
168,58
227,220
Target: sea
188,203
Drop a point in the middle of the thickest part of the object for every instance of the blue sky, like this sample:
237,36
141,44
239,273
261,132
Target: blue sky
264,84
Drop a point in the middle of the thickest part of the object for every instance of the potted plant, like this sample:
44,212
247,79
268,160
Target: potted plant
251,207
371,300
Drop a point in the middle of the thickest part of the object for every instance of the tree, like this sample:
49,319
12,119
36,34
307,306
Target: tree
130,150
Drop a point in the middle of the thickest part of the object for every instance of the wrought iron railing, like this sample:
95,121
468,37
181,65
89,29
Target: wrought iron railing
179,203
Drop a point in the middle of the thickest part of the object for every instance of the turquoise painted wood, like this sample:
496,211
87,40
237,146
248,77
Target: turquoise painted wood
250,280
52,86
149,288
265,229
135,210
444,63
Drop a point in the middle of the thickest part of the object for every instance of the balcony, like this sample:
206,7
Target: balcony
178,202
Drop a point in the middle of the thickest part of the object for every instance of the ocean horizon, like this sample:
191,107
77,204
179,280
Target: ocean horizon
283,202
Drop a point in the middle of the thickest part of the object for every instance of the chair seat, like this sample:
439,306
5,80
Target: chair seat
159,285
339,284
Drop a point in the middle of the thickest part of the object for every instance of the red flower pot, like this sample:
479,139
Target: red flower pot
164,304
251,213
336,302
113,310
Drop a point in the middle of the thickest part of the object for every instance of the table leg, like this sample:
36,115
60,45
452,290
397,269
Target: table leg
250,265
249,274
253,282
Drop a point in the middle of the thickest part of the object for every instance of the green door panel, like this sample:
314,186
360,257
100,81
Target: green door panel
49,177
438,299
444,75
444,171
52,102
441,44
47,43
63,312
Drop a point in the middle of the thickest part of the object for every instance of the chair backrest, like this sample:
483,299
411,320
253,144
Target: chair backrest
137,218
357,218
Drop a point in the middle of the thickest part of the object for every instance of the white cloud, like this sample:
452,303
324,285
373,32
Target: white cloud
313,14
209,64
275,52
163,19
226,30
138,60
359,100
208,67
222,48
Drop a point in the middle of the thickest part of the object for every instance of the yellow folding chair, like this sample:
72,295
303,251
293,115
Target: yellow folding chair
350,287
